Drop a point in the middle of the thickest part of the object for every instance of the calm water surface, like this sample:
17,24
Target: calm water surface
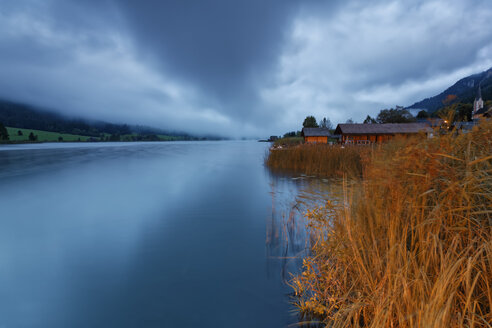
184,234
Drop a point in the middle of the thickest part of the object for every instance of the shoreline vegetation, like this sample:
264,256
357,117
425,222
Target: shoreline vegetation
319,159
18,121
410,243
21,123
21,135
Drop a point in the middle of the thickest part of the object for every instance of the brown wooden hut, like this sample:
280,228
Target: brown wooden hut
319,135
369,133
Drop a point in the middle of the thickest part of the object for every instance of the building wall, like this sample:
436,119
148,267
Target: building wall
368,137
316,139
384,137
476,117
477,105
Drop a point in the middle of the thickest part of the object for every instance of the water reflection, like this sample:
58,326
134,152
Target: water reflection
288,239
148,235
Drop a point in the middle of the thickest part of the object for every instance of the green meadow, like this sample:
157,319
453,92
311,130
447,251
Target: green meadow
43,136
46,136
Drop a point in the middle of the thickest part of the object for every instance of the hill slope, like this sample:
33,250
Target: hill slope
23,116
464,91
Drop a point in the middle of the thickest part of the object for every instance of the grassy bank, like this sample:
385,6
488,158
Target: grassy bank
43,136
320,159
47,136
411,245
288,142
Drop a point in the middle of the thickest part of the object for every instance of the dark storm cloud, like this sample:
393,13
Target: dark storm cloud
223,46
214,43
236,67
219,48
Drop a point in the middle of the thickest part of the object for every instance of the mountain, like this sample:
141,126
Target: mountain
463,91
24,116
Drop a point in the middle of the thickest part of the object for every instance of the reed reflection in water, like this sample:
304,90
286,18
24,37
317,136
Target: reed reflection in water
288,239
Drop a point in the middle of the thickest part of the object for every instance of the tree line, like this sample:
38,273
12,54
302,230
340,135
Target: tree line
23,116
27,117
4,135
458,112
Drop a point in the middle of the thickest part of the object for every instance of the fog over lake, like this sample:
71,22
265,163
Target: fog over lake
178,234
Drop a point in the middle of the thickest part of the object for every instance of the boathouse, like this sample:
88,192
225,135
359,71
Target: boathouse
370,133
319,135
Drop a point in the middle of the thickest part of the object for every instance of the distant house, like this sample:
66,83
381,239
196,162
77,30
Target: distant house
319,135
369,133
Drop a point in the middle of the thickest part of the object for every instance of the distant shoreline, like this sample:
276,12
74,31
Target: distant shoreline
32,136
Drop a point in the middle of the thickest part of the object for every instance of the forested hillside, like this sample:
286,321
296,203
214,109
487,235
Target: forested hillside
29,117
464,91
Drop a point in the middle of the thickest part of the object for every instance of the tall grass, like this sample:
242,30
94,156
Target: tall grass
320,159
288,141
411,245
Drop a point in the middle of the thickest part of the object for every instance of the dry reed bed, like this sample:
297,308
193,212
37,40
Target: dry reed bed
320,159
411,246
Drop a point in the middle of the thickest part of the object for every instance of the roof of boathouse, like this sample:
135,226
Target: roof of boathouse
386,128
316,132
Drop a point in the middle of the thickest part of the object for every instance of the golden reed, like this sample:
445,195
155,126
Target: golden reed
411,244
320,159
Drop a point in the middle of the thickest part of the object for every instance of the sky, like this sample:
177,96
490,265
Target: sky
250,68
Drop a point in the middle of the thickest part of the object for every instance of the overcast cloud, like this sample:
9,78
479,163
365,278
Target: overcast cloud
237,68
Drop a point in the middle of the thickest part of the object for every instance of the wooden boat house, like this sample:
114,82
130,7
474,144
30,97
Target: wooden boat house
319,135
370,133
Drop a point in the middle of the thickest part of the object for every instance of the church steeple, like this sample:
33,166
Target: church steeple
478,103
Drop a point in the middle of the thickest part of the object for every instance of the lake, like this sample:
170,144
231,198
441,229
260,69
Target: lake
176,234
